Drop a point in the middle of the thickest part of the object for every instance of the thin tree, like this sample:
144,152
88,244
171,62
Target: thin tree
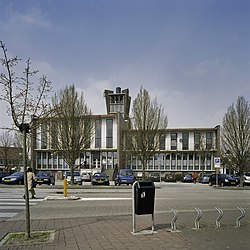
148,124
73,127
236,136
26,96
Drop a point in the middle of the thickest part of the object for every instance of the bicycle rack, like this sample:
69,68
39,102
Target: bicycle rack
219,217
197,219
173,224
243,213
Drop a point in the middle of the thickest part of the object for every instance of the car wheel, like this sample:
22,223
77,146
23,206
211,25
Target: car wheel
19,182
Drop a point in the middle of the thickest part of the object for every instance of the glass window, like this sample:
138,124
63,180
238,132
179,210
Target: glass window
173,141
185,141
98,133
109,133
162,141
44,136
209,140
197,139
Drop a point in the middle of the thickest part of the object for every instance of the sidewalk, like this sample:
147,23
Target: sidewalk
114,232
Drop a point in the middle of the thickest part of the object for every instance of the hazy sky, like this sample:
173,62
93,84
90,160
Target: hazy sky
193,55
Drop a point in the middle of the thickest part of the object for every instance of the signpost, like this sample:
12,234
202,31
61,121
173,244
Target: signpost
217,167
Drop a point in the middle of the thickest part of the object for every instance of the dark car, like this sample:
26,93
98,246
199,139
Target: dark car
125,176
100,179
154,177
223,180
187,178
170,178
45,178
15,178
205,178
3,174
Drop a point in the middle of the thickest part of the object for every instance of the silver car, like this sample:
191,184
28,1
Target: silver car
246,178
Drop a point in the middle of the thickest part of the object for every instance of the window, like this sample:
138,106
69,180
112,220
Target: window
173,141
197,139
173,161
185,141
109,133
98,133
44,136
162,142
209,140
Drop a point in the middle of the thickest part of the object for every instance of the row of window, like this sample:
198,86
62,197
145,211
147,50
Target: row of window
173,161
95,159
200,141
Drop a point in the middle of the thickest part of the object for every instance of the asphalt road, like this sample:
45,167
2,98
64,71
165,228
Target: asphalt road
183,197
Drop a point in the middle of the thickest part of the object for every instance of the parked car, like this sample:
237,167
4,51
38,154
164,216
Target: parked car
187,178
86,177
154,177
3,174
125,176
15,178
205,178
246,177
77,177
100,179
223,180
45,178
169,178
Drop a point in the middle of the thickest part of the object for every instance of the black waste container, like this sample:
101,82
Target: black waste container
144,197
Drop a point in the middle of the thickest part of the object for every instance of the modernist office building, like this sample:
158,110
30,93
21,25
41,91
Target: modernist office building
180,151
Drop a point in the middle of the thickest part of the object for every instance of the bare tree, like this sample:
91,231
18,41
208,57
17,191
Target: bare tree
26,100
9,152
236,136
148,124
73,128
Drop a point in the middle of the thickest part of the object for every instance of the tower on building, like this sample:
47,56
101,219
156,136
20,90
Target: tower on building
118,101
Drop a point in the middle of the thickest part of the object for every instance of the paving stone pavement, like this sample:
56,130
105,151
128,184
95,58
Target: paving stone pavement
114,232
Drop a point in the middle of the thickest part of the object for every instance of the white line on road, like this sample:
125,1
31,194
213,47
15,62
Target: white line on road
7,215
105,199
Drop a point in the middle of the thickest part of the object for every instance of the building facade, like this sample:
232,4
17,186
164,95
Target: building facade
180,150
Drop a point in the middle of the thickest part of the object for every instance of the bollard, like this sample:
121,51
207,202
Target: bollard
65,190
243,213
219,217
173,225
197,219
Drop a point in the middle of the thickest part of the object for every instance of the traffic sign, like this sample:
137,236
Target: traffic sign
216,162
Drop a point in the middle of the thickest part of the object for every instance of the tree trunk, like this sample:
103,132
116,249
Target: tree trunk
27,234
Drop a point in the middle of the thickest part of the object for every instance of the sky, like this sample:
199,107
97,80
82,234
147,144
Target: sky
192,55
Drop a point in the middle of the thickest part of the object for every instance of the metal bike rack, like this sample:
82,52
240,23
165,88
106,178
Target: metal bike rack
243,213
173,224
219,216
197,219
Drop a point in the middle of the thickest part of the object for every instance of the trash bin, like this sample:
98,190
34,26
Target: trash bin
144,195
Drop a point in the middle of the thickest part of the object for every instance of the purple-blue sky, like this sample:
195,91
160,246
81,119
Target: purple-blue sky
193,55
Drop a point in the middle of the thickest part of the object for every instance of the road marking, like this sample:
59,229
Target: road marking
105,199
7,215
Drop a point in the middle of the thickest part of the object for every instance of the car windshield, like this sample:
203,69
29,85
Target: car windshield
226,176
100,175
126,173
247,174
43,174
17,174
75,173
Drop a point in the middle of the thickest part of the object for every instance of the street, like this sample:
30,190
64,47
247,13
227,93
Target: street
183,197
102,217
